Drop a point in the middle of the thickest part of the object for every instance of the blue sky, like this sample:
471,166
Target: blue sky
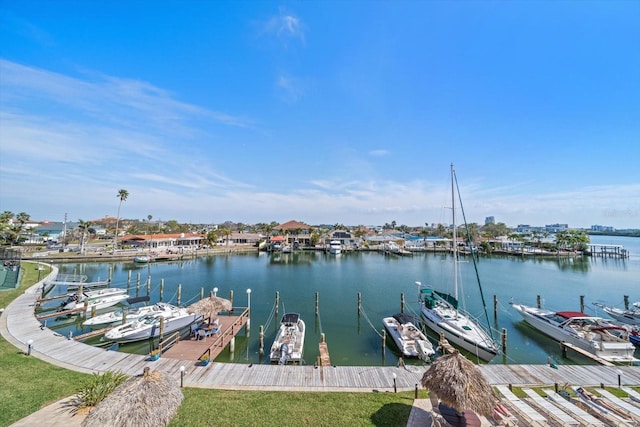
324,112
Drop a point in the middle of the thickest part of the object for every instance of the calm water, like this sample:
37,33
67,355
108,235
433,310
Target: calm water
381,280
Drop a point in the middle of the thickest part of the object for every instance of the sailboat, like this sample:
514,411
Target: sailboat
442,314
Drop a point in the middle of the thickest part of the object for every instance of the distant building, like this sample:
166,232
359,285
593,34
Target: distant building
489,220
602,228
523,228
556,228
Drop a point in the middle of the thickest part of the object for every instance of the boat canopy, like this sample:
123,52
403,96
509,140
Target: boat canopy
571,314
403,318
290,319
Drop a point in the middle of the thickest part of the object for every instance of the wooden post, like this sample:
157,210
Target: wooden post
138,280
179,293
277,306
202,293
538,301
231,299
261,336
495,307
161,327
110,273
564,349
504,341
384,339
581,303
401,302
148,285
359,303
93,311
124,316
161,289
626,302
317,302
232,344
129,278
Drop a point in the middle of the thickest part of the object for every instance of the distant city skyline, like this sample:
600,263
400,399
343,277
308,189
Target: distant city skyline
325,112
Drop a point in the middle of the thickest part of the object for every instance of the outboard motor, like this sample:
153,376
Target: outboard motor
284,354
69,303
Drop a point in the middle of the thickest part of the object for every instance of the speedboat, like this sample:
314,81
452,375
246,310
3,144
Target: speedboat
595,335
335,247
170,319
411,341
629,317
117,316
142,259
289,342
96,299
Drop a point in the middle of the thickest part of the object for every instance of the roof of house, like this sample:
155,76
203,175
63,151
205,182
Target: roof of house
145,237
292,225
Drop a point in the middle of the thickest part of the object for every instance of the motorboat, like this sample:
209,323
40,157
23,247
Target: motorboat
630,316
335,247
95,299
128,314
592,334
170,319
289,342
443,315
411,341
99,284
142,259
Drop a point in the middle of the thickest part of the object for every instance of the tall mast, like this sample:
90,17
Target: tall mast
455,236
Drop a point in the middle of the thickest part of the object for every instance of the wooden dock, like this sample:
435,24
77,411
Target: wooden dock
18,326
194,348
565,345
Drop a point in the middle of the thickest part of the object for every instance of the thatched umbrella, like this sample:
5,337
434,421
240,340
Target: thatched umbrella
459,384
210,306
150,399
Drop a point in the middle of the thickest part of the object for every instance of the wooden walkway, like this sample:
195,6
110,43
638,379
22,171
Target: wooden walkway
193,348
18,325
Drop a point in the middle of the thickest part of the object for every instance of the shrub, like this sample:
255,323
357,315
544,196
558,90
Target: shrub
97,388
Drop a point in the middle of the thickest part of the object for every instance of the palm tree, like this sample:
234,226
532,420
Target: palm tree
84,226
122,195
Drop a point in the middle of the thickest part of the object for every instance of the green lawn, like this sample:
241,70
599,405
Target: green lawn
29,384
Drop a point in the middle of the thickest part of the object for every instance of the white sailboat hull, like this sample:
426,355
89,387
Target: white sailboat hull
474,340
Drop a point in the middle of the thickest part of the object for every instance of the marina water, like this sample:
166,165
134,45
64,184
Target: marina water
356,340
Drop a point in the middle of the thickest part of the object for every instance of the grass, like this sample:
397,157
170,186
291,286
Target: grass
29,384
203,407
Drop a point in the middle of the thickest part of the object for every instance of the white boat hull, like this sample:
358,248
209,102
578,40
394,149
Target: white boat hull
409,339
479,343
116,316
613,351
143,328
288,345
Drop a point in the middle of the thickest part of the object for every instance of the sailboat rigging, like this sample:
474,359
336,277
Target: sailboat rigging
441,311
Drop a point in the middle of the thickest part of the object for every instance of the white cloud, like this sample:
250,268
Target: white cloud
379,153
285,25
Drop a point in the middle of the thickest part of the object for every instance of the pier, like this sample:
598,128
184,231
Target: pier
607,251
19,326
195,347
